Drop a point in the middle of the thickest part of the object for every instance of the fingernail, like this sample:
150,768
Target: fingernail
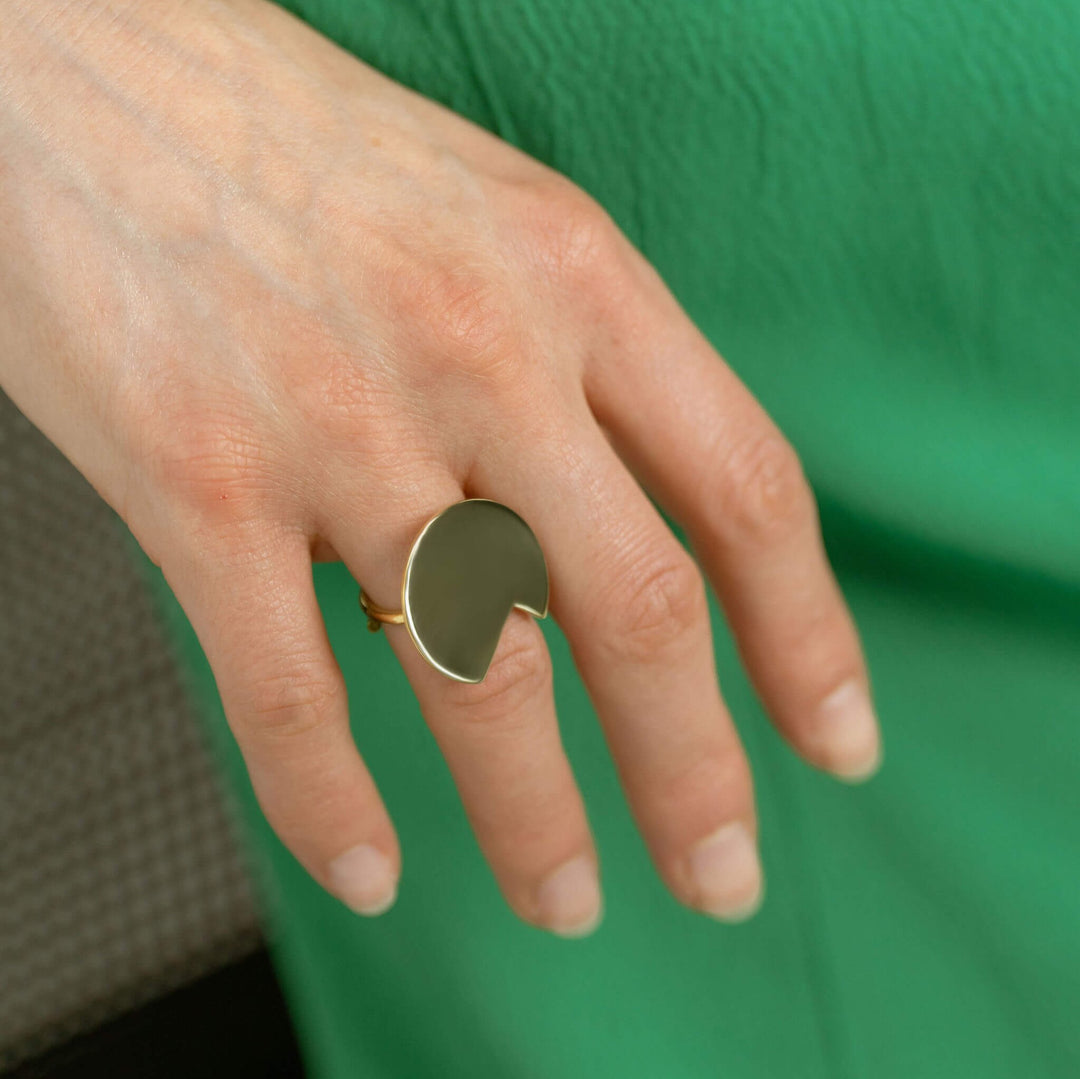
364,880
726,872
569,901
850,742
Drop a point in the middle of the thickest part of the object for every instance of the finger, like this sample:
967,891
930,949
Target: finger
253,605
719,465
633,606
501,742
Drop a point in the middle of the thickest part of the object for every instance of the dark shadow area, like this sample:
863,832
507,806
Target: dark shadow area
232,1023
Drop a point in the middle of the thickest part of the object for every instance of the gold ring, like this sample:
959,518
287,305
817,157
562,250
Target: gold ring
377,615
468,568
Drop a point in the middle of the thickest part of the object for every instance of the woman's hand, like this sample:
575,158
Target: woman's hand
276,306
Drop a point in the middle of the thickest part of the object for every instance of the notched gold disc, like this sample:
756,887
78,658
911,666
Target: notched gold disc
469,567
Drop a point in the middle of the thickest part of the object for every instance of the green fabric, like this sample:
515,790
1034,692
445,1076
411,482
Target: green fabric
873,210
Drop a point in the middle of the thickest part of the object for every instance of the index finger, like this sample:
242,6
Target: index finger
718,464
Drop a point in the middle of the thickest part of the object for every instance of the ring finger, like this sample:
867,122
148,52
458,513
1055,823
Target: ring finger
499,737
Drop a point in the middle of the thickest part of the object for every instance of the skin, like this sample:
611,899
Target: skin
278,308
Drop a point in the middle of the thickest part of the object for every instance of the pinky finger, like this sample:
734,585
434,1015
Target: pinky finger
284,696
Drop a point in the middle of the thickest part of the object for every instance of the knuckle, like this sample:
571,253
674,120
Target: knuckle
349,407
464,313
519,673
285,707
715,780
326,383
763,494
660,611
219,473
348,402
578,242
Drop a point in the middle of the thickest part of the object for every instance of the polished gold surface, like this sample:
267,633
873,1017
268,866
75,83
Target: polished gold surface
377,615
469,567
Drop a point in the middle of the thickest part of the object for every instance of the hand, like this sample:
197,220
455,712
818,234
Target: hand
278,307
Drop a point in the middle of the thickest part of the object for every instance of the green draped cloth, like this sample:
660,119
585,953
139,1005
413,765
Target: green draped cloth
873,210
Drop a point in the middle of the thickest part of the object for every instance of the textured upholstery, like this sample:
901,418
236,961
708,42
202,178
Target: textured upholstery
119,876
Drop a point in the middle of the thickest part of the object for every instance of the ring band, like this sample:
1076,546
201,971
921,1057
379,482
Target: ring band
377,615
468,568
